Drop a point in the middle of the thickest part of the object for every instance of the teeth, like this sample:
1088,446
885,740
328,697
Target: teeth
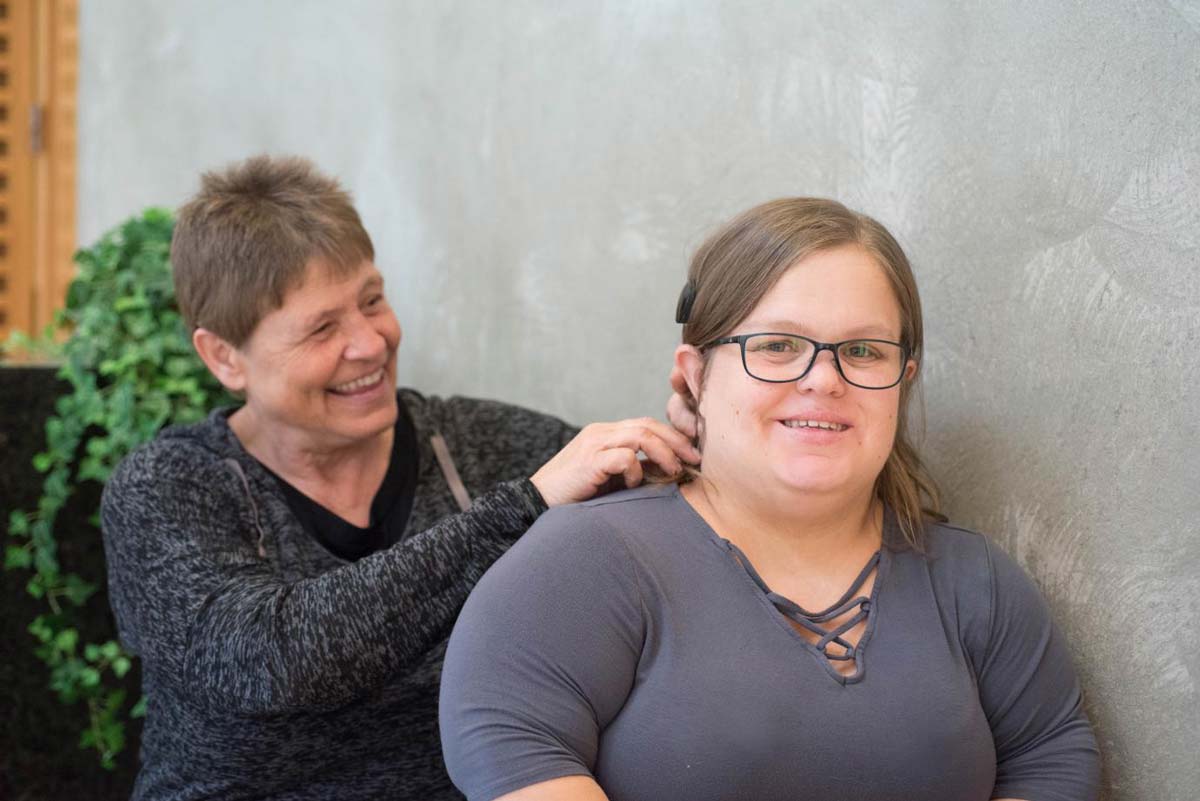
360,383
814,424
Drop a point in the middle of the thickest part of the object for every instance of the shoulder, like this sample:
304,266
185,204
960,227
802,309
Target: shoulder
637,515
627,514
490,441
955,551
956,565
985,586
615,535
181,451
959,563
193,455
436,413
970,558
595,543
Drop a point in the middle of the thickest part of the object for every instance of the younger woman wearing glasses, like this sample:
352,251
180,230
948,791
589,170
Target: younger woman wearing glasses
795,622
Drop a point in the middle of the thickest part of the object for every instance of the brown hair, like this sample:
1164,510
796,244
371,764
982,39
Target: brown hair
738,265
247,237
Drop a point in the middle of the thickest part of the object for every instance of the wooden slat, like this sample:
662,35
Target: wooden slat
57,81
39,61
17,240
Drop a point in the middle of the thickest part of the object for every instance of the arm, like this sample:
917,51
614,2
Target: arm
1045,750
542,659
568,788
196,600
566,464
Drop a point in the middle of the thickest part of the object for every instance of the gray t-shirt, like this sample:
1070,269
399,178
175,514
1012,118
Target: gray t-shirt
623,639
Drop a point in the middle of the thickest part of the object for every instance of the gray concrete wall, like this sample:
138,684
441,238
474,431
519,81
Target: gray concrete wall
536,173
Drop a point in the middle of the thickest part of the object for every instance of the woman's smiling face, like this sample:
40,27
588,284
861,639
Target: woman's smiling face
764,437
323,365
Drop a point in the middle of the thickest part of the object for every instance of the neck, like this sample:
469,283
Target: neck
799,531
305,462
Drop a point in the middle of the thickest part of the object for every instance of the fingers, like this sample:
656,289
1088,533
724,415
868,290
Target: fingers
634,474
646,434
610,450
661,454
623,462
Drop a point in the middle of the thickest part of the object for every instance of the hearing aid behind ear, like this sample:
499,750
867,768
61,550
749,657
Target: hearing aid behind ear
687,297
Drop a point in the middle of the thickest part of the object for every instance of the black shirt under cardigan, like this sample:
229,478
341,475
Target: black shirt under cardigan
390,507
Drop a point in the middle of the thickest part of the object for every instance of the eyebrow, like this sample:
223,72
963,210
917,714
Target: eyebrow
316,320
870,331
372,284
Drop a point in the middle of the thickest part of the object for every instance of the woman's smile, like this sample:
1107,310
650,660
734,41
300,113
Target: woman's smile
813,432
810,421
360,386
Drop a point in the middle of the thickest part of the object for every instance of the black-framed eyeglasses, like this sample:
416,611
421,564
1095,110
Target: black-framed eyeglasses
782,358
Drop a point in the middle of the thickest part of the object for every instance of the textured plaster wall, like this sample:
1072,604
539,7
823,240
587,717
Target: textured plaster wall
536,173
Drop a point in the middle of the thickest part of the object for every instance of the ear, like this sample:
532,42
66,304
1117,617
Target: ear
910,370
221,358
690,364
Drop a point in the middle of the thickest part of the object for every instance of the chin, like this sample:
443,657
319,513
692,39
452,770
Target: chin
814,479
367,426
813,487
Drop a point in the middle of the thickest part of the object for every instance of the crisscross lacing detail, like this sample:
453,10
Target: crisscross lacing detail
811,621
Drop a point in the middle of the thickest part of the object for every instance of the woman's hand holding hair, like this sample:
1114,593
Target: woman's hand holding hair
602,451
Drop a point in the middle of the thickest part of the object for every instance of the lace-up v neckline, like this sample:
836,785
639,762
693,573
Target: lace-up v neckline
852,600
791,617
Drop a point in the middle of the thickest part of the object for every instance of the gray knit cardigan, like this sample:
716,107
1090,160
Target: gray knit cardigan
274,669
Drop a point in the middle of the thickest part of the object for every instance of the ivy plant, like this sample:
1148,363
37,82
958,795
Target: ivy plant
130,369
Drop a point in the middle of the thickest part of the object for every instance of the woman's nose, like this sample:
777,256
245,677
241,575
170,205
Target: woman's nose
365,341
823,376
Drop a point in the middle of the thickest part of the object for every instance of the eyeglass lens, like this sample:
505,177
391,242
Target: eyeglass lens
868,363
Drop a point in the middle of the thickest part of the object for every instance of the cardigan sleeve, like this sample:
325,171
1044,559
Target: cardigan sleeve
197,599
1045,749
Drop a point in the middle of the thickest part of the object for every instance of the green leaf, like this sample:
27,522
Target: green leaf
16,556
77,590
45,563
179,366
42,462
129,303
113,704
121,666
139,709
66,640
41,629
89,677
18,523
